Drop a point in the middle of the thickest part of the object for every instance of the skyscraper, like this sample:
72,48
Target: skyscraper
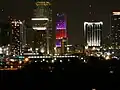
115,28
93,33
5,33
61,32
17,37
92,28
42,26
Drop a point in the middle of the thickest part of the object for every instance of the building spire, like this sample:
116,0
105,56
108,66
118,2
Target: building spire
90,10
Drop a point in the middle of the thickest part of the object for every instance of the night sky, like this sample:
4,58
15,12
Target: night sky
77,12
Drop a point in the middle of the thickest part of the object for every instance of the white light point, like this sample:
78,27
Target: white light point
20,62
108,57
68,60
42,50
61,61
108,53
81,57
43,60
53,61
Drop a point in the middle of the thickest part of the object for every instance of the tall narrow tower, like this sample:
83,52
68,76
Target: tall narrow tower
42,26
115,28
17,29
92,29
61,32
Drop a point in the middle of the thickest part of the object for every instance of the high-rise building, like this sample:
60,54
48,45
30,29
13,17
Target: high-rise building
42,26
61,33
18,37
93,33
5,33
115,28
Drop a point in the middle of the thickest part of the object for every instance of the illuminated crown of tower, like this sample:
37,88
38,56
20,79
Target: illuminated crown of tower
42,2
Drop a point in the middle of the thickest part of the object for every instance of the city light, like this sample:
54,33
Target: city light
61,61
116,13
30,49
94,89
43,3
39,28
42,50
91,23
20,62
40,19
107,57
53,61
12,60
108,53
43,60
11,66
26,59
93,36
60,28
1,51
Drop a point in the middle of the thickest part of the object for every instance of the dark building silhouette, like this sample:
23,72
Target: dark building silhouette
5,33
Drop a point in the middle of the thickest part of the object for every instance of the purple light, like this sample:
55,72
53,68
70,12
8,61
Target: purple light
60,28
61,25
58,43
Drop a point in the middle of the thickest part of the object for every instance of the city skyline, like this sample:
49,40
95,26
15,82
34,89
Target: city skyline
76,17
59,43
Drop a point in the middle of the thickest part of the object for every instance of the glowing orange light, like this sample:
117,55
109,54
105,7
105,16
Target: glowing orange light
26,59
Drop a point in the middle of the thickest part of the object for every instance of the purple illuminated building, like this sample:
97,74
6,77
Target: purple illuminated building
61,32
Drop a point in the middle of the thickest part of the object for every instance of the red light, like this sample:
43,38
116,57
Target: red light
61,34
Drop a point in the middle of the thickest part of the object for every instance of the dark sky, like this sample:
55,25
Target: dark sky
76,10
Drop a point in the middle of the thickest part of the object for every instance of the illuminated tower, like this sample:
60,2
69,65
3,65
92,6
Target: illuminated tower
115,28
61,32
92,28
16,26
23,36
42,26
93,33
18,39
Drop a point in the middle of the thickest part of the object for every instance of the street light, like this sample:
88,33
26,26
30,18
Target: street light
26,59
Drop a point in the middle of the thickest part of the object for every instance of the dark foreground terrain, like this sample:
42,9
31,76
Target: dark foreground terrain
73,74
